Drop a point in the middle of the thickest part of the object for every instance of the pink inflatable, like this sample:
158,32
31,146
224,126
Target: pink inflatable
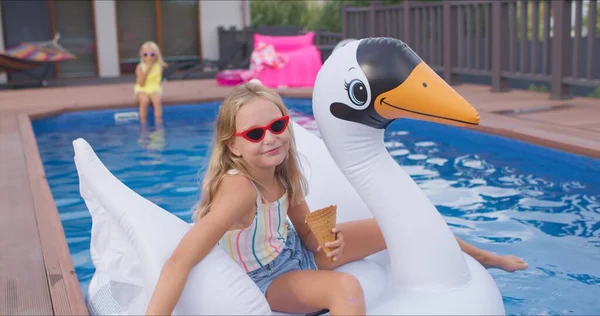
303,61
230,77
278,61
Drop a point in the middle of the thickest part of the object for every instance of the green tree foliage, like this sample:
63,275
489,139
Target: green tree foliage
269,12
327,17
542,9
586,18
307,13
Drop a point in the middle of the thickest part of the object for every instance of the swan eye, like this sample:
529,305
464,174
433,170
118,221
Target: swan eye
357,92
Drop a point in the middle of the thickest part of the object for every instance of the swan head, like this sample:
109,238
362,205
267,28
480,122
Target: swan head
369,83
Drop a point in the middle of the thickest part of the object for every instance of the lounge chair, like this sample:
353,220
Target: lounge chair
30,55
236,55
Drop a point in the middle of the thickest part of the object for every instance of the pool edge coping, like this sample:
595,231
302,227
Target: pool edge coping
57,257
53,242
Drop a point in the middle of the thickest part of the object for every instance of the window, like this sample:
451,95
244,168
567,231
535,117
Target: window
26,21
173,25
136,23
180,28
75,22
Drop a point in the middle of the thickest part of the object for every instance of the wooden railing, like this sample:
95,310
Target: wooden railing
531,40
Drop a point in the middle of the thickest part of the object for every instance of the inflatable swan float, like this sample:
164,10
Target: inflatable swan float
361,88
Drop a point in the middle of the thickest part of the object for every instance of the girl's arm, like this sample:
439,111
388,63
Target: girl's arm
297,214
235,198
140,75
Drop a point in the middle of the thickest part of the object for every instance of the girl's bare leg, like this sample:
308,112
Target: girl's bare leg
487,259
363,238
309,291
144,101
157,103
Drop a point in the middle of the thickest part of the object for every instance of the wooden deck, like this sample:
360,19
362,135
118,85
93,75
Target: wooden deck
37,275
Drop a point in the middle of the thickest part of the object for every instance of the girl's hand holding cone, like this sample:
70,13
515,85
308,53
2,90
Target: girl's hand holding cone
322,223
336,246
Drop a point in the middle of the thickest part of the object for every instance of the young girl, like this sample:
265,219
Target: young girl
254,178
148,77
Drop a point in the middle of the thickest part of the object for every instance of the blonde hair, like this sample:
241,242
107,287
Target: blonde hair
222,159
152,46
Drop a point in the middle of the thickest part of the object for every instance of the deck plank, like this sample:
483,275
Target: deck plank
575,117
65,292
23,281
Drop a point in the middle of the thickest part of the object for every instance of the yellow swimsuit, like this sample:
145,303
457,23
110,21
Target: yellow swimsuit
153,79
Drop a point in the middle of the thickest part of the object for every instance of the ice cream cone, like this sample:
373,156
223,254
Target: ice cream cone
321,222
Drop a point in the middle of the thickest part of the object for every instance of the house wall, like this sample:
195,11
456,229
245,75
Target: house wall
107,48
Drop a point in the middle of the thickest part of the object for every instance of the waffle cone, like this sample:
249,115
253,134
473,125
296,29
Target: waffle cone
321,222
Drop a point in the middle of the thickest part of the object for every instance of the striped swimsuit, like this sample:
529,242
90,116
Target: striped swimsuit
255,246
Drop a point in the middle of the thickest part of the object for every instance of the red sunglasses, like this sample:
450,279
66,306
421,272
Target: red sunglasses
256,134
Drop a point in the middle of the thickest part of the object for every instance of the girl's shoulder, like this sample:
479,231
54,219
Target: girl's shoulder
157,65
234,195
236,183
140,66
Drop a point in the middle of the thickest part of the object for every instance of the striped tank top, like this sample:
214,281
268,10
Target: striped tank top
254,246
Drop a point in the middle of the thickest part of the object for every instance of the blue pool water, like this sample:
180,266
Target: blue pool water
498,194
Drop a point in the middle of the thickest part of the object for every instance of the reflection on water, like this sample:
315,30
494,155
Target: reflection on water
469,184
152,138
493,193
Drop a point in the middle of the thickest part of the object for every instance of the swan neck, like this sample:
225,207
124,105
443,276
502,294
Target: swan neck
422,249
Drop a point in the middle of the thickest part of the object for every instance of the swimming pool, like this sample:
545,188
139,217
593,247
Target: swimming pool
499,194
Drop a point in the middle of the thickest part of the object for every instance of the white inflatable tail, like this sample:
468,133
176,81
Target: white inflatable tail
132,238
